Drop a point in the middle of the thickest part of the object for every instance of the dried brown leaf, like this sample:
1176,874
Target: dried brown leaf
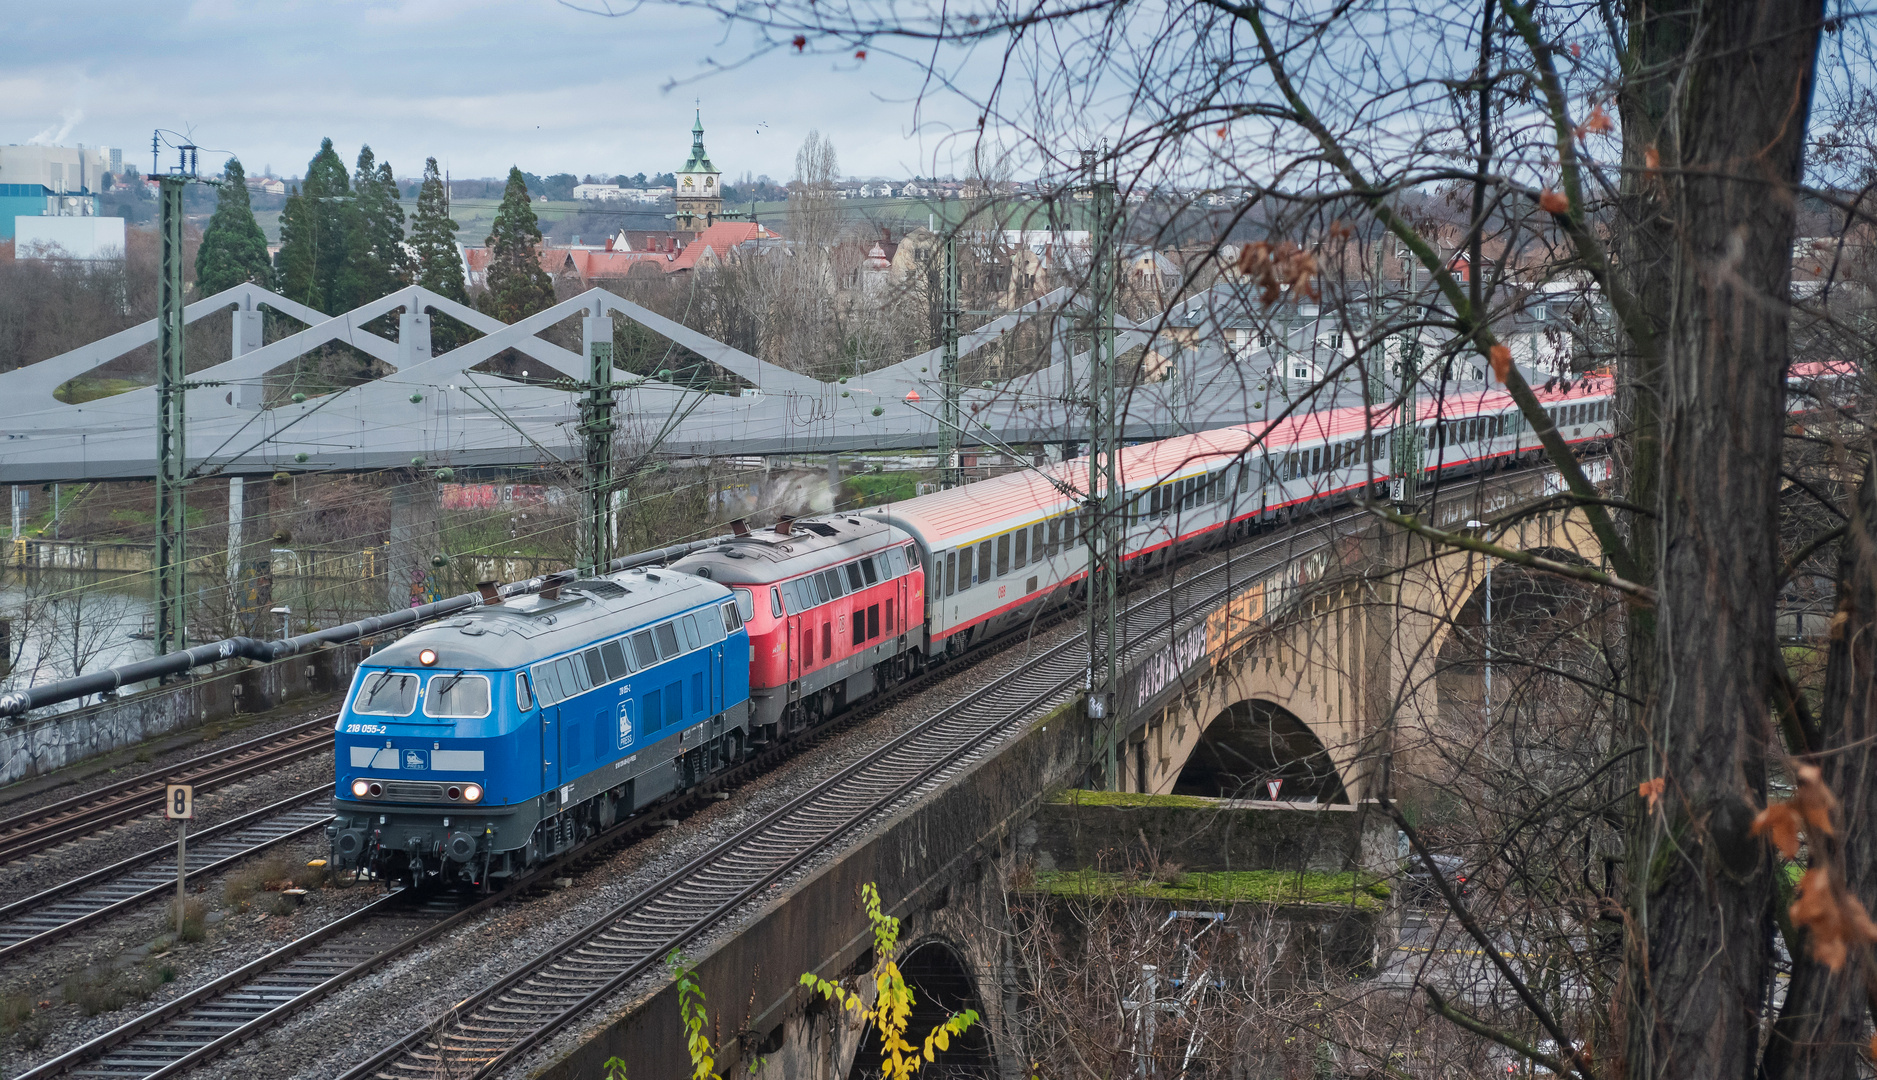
1652,791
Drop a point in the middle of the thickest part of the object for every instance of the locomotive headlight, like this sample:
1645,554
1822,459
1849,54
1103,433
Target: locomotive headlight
360,789
427,657
472,792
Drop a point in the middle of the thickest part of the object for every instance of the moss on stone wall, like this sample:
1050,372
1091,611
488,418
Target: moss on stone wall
1227,887
1081,797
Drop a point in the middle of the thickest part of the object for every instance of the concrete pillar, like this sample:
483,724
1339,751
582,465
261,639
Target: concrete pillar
415,506
250,554
413,337
249,393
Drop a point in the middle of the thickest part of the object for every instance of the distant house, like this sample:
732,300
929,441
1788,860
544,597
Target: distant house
266,185
630,253
598,192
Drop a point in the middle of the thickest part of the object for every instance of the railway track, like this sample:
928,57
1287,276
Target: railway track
237,1006
493,1027
99,895
98,808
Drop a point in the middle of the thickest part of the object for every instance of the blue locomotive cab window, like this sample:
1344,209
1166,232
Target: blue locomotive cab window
667,634
457,697
643,649
596,668
573,675
693,639
386,693
615,660
524,699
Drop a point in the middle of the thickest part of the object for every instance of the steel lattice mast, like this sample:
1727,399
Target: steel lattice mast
171,627
951,474
1104,503
596,434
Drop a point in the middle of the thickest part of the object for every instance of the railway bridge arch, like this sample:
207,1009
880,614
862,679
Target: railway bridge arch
1312,674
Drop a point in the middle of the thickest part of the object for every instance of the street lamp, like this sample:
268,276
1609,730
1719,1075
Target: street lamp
285,613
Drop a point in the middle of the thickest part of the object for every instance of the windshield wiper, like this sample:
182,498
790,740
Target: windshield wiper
372,691
448,682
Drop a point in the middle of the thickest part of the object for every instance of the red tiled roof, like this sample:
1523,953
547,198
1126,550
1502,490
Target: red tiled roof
719,239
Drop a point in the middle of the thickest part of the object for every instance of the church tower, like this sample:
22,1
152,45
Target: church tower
699,195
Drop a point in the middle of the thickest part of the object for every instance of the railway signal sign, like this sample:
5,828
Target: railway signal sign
179,805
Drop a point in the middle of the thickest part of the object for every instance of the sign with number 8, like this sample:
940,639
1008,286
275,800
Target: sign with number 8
180,802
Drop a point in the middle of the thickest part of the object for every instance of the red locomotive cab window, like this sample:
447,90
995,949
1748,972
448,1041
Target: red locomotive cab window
775,601
827,640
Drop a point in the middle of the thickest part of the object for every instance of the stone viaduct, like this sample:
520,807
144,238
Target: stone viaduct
1315,672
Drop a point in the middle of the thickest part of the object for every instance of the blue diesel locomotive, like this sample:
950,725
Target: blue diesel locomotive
483,744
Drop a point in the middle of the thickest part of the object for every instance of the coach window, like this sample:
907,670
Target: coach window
1003,555
984,563
1020,553
1036,542
1054,540
949,586
745,604
524,698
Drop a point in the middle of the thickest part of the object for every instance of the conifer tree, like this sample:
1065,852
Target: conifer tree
375,256
439,265
313,251
296,266
433,238
233,248
517,286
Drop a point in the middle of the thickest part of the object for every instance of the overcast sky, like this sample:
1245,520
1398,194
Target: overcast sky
479,84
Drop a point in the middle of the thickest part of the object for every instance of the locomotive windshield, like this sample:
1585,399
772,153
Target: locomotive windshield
386,693
745,604
458,697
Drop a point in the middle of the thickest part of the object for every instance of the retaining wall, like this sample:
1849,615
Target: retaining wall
1115,832
40,746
